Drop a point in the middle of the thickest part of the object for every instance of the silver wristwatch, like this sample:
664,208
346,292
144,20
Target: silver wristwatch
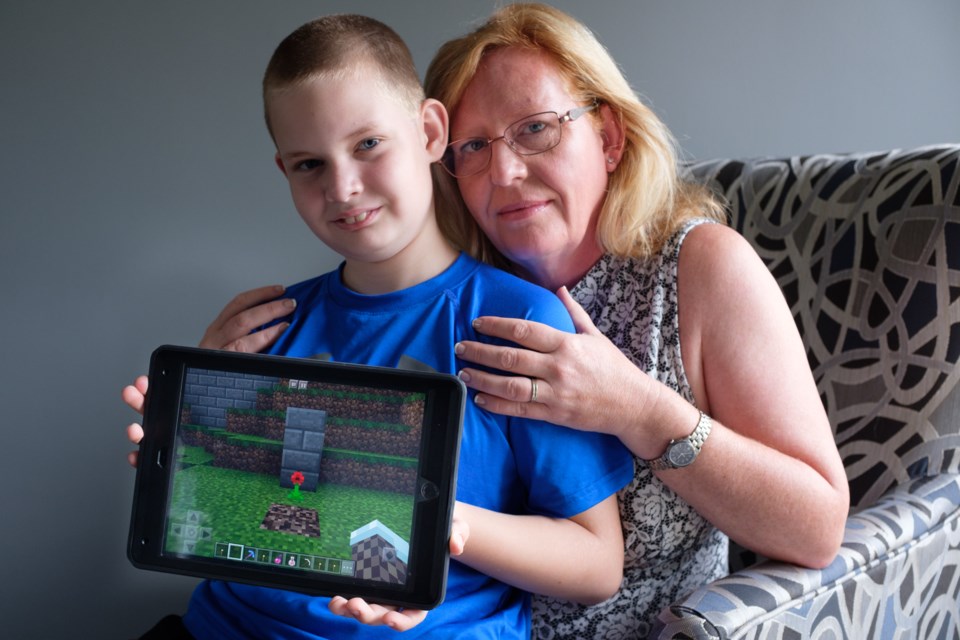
681,453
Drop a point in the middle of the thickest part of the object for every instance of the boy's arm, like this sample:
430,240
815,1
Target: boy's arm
578,558
527,551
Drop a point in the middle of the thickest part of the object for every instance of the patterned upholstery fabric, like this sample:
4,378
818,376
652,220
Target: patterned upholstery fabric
866,248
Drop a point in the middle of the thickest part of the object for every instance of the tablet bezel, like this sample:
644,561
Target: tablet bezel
433,500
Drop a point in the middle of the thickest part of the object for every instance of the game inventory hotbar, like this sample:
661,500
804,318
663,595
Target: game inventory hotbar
243,553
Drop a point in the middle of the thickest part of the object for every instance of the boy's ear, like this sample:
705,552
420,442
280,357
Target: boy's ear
276,158
435,122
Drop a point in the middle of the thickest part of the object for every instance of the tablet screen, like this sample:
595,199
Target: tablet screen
296,474
300,477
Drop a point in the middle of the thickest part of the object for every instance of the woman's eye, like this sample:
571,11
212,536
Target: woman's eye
532,128
471,146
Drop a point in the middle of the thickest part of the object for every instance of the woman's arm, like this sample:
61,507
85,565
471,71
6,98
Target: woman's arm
769,474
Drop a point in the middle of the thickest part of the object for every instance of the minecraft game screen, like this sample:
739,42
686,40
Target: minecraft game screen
295,473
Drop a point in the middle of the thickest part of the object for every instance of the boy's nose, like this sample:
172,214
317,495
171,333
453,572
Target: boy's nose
343,183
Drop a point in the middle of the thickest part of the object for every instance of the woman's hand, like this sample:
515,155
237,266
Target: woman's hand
231,330
581,379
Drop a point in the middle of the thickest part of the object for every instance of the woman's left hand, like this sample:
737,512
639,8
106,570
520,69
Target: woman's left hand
582,380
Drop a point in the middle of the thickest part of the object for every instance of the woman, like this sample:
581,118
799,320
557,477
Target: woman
686,349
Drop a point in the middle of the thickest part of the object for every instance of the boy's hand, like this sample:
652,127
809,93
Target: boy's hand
397,618
134,395
459,533
231,330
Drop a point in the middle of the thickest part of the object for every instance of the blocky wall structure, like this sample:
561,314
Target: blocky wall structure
303,447
210,394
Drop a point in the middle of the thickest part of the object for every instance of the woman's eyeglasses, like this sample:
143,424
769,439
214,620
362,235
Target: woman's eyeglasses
525,137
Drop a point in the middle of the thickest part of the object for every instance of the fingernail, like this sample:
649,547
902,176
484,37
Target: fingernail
478,399
463,375
279,288
291,303
476,323
459,348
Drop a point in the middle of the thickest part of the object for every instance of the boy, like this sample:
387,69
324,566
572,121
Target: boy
355,139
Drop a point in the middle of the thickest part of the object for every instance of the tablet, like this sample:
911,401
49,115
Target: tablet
318,477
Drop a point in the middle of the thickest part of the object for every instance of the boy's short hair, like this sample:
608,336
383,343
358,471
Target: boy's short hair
344,45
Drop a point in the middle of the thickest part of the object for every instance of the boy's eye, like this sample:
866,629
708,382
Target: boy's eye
368,144
307,165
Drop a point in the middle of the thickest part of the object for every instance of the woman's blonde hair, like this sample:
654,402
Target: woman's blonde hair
646,200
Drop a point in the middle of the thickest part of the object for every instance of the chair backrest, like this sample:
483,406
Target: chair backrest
866,248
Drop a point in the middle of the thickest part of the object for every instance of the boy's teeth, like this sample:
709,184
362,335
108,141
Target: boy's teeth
357,218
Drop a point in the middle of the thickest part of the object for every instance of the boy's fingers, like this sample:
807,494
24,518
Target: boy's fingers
133,397
132,458
338,605
404,620
135,433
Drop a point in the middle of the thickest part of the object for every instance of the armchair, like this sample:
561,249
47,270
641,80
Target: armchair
866,248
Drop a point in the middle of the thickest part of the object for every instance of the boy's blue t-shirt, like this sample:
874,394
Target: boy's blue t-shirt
511,465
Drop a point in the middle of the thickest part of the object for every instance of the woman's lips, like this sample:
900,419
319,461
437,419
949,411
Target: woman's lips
519,210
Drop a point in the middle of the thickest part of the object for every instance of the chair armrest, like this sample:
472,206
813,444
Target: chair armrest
896,550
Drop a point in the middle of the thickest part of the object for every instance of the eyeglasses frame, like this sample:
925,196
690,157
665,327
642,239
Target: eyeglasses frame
569,116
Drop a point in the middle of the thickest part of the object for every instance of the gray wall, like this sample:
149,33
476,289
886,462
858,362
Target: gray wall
139,194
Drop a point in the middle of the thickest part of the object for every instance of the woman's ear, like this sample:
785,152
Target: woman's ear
611,130
276,158
435,122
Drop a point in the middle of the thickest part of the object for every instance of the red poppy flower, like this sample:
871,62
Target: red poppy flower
297,478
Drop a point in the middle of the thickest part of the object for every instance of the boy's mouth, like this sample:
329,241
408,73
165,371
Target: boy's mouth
360,217
356,218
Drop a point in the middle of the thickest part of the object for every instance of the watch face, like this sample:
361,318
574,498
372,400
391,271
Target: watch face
681,453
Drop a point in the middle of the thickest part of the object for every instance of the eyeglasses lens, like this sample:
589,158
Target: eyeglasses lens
529,136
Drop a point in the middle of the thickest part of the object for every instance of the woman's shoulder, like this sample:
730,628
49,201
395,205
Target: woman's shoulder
722,280
713,252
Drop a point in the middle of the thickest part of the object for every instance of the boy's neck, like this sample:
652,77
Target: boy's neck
410,267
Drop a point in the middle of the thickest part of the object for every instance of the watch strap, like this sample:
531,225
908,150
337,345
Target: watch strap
695,439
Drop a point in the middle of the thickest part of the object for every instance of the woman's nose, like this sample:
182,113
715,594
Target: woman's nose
505,164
